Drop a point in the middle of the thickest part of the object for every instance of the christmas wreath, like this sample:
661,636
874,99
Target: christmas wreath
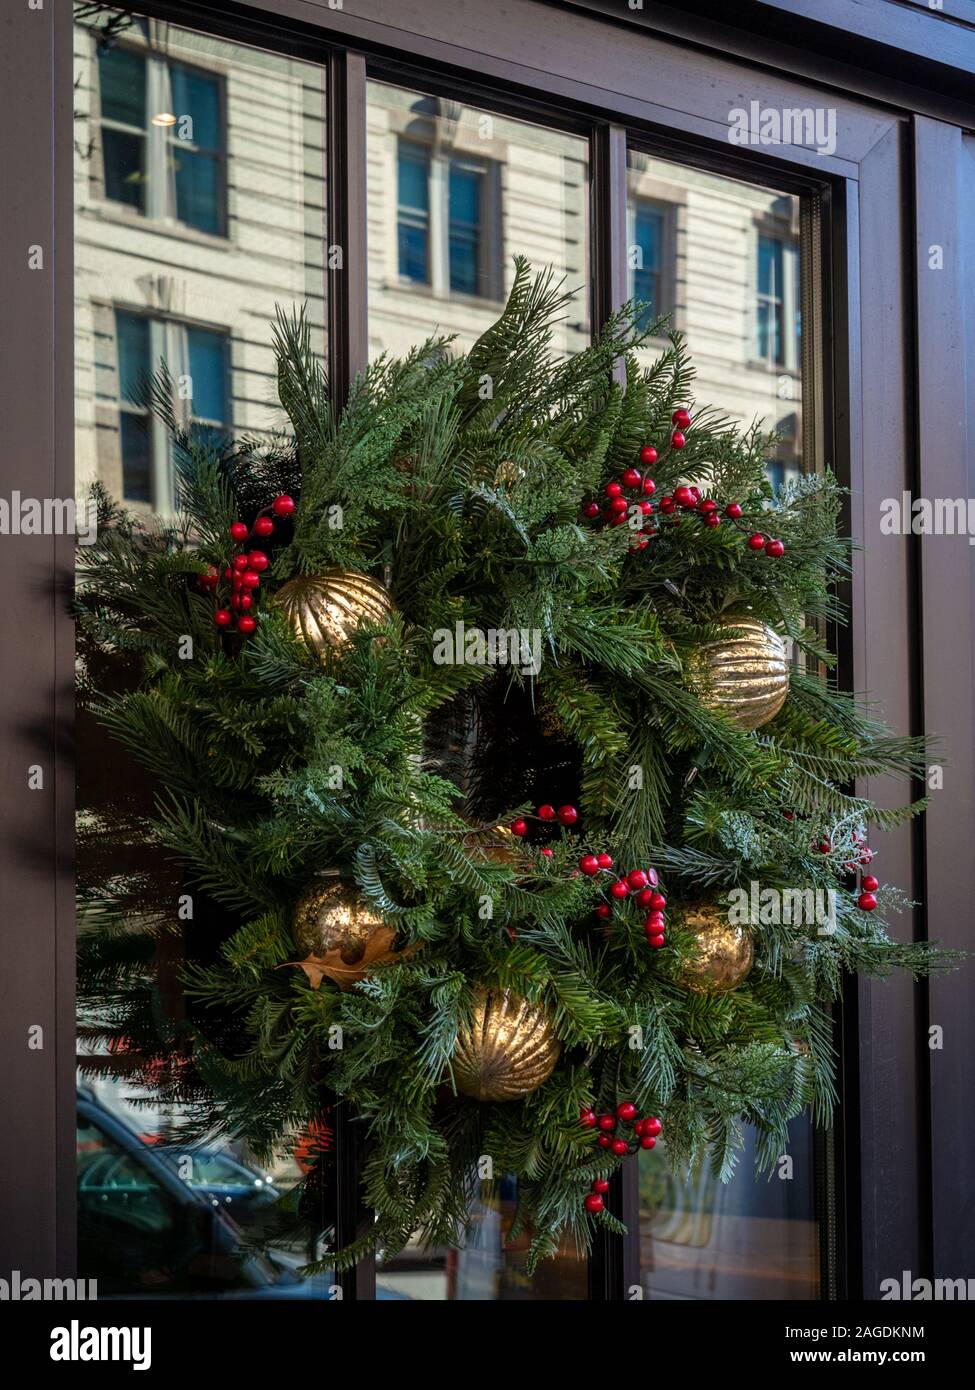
499,772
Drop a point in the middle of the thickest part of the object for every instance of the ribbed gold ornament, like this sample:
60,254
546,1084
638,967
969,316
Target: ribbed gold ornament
325,609
509,1050
508,473
723,954
745,675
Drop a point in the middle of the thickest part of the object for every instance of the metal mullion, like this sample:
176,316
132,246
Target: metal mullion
345,192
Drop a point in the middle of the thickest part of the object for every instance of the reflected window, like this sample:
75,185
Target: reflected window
162,140
454,192
646,256
198,360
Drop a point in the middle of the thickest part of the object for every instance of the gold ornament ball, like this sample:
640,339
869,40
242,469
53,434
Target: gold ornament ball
325,609
509,1050
745,674
332,916
723,954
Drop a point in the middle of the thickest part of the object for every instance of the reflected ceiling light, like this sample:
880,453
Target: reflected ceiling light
163,118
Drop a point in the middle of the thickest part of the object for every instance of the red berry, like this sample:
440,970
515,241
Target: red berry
250,579
283,505
681,418
824,846
658,902
677,440
638,1127
645,898
667,505
870,884
547,853
618,506
235,603
620,1147
228,573
646,508
222,617
594,1203
712,521
630,477
605,861
604,1141
613,490
626,1110
707,504
606,1122
589,864
648,454
546,812
239,531
683,495
263,526
600,1184
603,910
246,624
651,1125
655,941
775,549
587,1118
591,510
637,879
648,1142
257,560
866,902
866,855
756,542
568,815
519,826
620,889
655,923
240,562
733,510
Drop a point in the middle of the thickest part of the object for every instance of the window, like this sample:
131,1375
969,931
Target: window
454,192
460,216
198,361
777,313
646,258
162,139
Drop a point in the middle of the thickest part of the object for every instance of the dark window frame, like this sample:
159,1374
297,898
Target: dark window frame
896,163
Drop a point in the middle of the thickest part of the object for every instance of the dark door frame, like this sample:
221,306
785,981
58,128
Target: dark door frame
901,179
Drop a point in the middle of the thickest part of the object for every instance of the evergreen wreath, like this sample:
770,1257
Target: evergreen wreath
371,776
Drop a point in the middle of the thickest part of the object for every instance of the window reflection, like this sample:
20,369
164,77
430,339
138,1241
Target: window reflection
472,190
722,258
199,207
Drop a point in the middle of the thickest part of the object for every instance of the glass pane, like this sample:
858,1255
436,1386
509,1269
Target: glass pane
729,278
122,83
198,96
473,189
123,160
163,1212
198,193
273,133
208,371
727,257
487,1268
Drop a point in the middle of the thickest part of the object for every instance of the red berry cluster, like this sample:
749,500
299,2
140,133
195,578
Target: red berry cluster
639,884
243,573
565,815
868,883
618,508
643,1135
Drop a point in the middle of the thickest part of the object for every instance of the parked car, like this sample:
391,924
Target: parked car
222,1179
144,1232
